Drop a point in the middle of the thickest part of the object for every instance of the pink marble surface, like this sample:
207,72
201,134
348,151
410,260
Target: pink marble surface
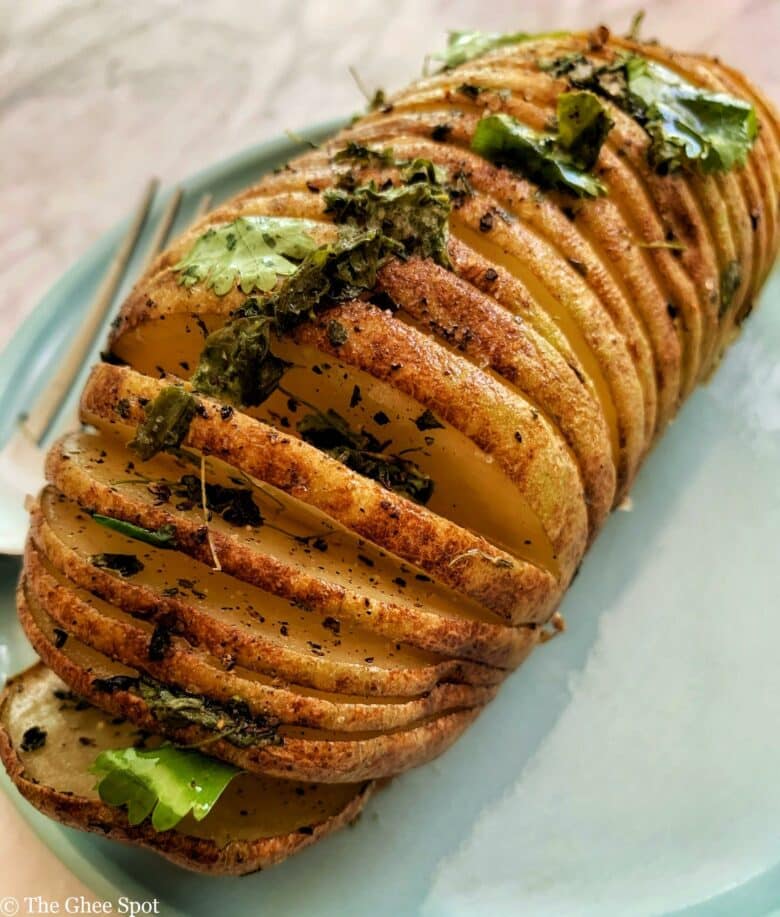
97,95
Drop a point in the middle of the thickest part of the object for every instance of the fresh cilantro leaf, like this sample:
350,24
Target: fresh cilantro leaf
250,252
167,783
463,46
583,125
166,423
688,125
164,537
506,141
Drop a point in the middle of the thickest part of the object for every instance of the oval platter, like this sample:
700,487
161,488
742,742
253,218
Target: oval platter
629,767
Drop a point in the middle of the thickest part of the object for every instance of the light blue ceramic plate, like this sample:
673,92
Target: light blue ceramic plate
630,767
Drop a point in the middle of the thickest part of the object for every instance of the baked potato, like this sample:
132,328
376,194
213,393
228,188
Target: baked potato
356,428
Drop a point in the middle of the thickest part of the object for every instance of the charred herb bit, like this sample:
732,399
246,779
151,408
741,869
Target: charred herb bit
337,333
363,453
428,421
166,423
232,721
236,362
506,141
251,252
730,279
463,46
356,152
413,215
159,643
163,537
441,132
33,738
236,505
115,683
123,564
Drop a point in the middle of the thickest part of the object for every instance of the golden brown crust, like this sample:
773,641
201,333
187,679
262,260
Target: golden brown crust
131,643
480,641
519,591
304,755
194,853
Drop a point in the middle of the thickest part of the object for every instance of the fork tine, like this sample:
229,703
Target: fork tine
46,405
203,206
160,236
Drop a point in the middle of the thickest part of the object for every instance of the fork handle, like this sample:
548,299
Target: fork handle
48,402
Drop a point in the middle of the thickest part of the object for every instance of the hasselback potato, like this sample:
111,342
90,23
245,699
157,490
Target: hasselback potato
358,426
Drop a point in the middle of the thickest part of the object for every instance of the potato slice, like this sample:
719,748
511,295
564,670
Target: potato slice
237,622
257,822
305,754
512,588
130,641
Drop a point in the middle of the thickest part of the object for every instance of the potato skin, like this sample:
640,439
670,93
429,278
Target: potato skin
518,592
492,645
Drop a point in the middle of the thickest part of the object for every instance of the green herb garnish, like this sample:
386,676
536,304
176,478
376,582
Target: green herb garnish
123,564
33,738
539,156
356,152
232,721
164,537
236,505
414,214
251,252
166,423
364,453
165,783
463,46
688,126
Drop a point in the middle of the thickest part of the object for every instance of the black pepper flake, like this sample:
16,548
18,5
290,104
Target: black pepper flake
356,397
381,418
226,412
284,630
518,436
332,624
87,741
486,222
400,581
60,637
33,738
491,275
428,421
